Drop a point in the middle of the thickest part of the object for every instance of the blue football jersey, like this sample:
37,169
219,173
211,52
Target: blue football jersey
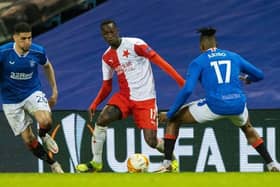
218,72
19,73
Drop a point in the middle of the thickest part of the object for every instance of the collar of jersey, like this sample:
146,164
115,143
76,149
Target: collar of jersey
19,55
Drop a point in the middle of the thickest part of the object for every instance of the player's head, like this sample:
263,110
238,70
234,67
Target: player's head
110,33
22,36
207,38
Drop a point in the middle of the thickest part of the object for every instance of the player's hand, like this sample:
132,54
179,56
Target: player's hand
91,113
162,117
244,78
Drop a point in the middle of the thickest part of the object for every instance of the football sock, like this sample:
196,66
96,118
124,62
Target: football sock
98,139
169,144
37,149
43,130
261,148
160,147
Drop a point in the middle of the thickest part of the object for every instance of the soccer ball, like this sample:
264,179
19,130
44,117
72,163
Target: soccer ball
137,163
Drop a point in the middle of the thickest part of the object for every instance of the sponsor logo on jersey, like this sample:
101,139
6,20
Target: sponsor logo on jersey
21,76
125,67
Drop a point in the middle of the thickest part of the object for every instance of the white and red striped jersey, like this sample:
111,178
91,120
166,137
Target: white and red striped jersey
131,63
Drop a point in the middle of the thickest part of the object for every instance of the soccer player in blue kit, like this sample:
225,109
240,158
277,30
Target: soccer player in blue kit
219,72
21,95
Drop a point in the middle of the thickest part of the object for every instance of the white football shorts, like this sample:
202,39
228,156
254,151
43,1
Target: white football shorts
18,114
202,113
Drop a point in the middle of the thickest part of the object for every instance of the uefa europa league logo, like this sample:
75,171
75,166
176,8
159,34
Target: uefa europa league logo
73,126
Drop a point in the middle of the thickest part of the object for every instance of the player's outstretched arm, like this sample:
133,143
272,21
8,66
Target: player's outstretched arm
192,77
158,60
49,71
254,74
104,91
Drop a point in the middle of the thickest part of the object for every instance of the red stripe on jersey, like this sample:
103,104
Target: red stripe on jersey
111,58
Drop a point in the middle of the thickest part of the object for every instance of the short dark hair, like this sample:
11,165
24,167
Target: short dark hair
206,31
106,22
22,27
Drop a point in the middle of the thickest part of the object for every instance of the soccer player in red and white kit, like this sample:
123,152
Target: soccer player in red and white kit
130,59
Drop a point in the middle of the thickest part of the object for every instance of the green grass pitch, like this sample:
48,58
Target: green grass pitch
184,179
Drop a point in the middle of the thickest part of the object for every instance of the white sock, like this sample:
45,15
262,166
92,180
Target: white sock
160,147
97,141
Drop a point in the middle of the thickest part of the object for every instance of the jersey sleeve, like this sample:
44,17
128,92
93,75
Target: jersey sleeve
107,71
159,61
104,91
106,87
143,49
254,73
192,78
43,59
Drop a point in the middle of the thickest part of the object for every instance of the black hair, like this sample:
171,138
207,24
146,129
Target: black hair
206,31
207,38
22,27
106,22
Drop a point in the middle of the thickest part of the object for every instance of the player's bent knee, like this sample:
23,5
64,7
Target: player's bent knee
152,142
45,122
101,123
